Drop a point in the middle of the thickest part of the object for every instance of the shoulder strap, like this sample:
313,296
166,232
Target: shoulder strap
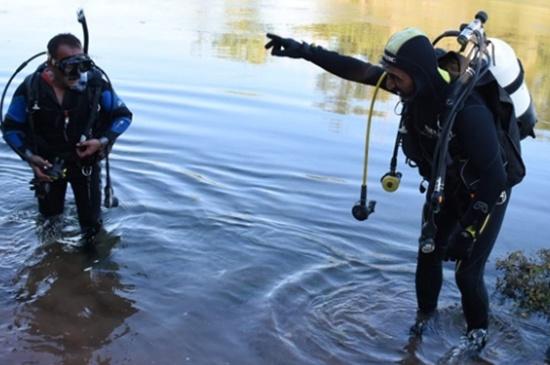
32,83
94,95
32,86
32,91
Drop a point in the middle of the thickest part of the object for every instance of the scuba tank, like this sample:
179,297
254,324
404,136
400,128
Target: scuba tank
507,70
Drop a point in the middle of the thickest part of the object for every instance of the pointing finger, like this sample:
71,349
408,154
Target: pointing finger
272,36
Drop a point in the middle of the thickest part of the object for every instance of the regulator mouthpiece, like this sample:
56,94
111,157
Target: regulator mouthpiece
361,210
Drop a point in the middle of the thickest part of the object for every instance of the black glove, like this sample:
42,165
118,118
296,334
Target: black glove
286,47
460,245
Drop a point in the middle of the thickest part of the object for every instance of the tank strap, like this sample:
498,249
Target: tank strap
516,84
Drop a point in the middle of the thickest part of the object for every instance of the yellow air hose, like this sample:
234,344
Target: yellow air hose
361,210
367,136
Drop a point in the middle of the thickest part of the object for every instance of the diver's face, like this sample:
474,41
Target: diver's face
399,82
62,52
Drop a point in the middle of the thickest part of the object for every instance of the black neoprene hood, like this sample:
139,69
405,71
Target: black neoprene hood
411,51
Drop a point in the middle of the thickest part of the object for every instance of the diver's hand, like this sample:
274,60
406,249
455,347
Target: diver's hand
39,165
460,245
88,148
285,47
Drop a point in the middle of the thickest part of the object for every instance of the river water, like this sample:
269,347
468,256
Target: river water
234,242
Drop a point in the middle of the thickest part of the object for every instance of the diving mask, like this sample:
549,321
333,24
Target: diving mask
73,66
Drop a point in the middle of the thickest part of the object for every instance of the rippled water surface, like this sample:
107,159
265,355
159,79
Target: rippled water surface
234,242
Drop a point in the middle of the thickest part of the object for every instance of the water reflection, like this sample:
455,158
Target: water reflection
363,40
71,303
361,28
246,37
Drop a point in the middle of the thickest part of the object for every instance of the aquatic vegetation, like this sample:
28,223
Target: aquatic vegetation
526,281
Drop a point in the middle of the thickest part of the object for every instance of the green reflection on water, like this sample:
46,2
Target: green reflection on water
361,28
245,38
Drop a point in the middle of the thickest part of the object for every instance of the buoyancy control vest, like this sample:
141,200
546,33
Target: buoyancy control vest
505,93
54,132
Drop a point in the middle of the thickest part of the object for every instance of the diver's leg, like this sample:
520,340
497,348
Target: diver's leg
469,273
429,273
87,193
429,268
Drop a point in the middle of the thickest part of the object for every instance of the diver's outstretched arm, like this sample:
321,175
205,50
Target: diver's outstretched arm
346,67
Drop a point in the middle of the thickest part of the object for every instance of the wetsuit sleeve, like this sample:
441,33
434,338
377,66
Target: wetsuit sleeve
15,128
477,135
119,116
346,67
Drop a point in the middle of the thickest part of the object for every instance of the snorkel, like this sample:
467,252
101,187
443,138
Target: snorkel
82,20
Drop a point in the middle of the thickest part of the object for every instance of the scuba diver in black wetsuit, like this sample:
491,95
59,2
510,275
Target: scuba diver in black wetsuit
62,120
482,161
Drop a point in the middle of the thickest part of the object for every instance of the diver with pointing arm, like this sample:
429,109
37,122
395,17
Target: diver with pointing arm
479,166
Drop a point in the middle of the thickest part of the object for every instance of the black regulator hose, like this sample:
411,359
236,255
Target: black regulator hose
391,179
22,66
110,201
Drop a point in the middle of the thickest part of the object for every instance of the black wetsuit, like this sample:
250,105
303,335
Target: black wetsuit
476,140
51,131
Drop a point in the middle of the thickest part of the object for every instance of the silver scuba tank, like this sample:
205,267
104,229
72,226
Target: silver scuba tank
507,70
